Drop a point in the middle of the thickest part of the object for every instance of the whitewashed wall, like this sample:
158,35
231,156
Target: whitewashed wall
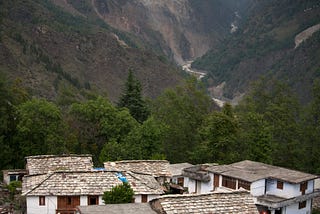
34,208
207,187
192,185
294,209
138,198
257,188
186,182
289,190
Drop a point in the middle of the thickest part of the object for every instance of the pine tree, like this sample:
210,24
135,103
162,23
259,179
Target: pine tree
132,99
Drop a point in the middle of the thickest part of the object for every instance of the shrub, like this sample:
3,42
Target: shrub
119,194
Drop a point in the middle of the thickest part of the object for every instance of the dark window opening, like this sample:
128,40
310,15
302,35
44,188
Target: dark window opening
279,185
302,204
93,200
303,187
42,200
229,182
13,178
244,184
69,201
144,198
180,181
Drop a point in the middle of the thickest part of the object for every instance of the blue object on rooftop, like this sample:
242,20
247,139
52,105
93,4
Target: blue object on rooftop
121,177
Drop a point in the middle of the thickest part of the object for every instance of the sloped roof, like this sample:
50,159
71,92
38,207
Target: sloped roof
92,183
176,169
232,202
156,168
132,208
48,163
252,171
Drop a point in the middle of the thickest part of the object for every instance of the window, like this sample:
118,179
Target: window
144,198
42,200
13,178
229,182
302,204
69,200
303,187
180,181
279,185
93,200
244,184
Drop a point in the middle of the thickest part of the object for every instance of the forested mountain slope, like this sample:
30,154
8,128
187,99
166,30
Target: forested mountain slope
265,45
63,55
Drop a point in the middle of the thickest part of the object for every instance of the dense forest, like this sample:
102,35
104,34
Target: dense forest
181,125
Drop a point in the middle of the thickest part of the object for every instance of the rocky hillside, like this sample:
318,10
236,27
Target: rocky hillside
265,45
62,54
182,29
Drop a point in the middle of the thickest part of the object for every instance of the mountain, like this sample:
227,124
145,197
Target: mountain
62,54
182,29
265,44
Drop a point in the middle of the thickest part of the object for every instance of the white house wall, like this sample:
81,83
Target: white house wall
294,209
207,187
34,208
289,190
257,188
186,182
310,187
191,185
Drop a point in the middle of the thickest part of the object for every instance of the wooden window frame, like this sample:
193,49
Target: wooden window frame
180,181
303,187
42,200
279,184
302,204
244,184
229,182
96,197
144,198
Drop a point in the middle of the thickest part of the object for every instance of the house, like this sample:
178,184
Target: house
62,191
176,173
276,190
13,175
198,179
157,168
133,208
227,202
42,164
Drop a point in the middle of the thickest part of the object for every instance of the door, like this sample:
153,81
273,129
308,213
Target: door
215,181
67,204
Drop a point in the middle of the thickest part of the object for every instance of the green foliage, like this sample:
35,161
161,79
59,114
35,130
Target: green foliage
119,194
181,110
40,128
132,99
271,115
97,122
13,185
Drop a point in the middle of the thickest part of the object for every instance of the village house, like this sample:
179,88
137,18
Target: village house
228,202
62,191
276,190
13,175
159,169
176,173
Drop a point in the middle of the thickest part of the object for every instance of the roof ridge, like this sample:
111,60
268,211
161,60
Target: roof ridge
39,184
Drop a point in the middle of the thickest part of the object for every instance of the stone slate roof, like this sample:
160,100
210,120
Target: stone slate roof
156,168
176,169
198,172
132,208
252,171
48,163
233,202
91,183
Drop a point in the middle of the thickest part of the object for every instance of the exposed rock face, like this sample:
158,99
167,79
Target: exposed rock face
183,29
